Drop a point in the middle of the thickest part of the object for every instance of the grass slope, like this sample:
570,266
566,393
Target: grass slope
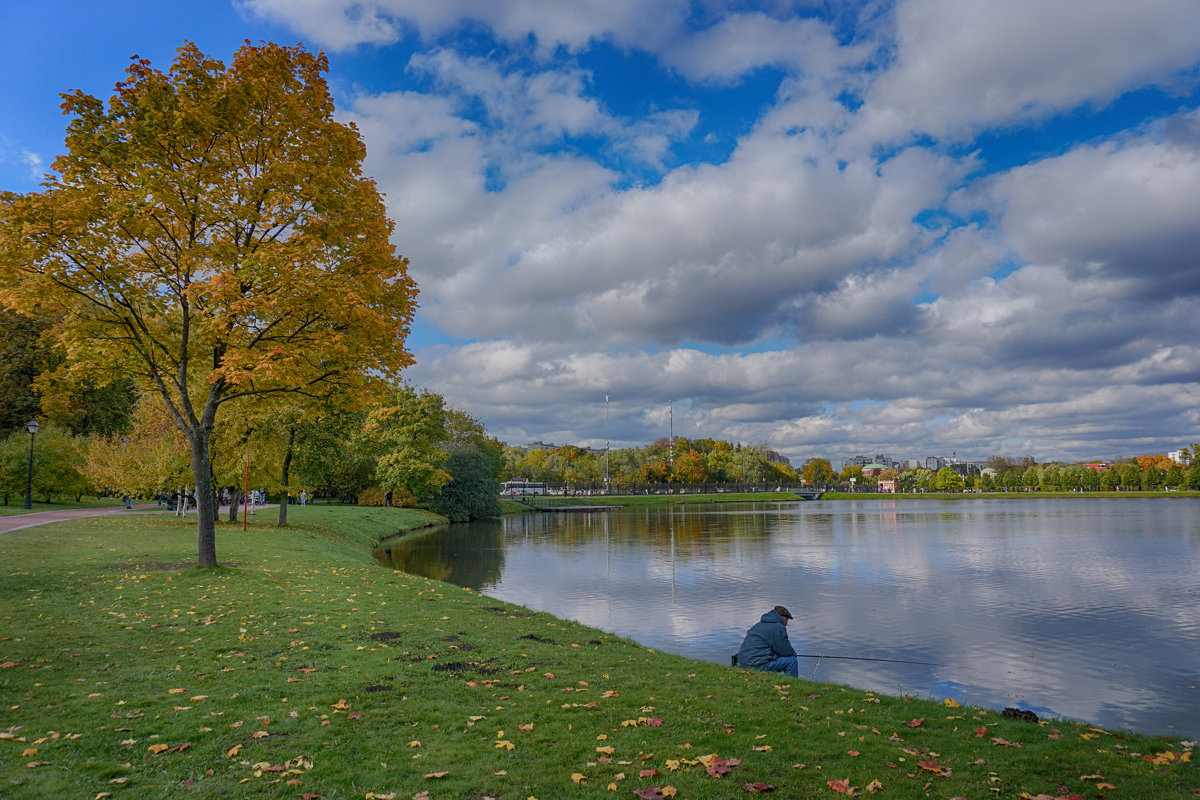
301,669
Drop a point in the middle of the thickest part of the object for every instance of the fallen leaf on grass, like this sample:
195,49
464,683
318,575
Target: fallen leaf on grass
842,787
655,793
435,774
874,786
935,768
717,766
758,786
1005,743
158,748
1169,757
506,744
579,778
914,723
233,751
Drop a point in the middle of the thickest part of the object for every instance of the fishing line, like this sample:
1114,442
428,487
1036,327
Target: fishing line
863,658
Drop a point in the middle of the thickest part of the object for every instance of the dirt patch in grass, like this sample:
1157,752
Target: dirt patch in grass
386,636
463,667
541,639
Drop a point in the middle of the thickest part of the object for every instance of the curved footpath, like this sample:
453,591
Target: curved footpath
15,522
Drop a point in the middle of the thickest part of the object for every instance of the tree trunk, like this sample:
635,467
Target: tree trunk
206,512
234,502
285,473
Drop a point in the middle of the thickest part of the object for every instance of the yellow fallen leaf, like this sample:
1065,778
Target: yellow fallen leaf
415,743
259,735
764,749
612,787
607,750
29,751
579,778
669,791
158,748
197,698
233,751
1105,787
506,744
436,774
176,691
874,786
950,702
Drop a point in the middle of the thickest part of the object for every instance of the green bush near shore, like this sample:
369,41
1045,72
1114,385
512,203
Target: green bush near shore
301,668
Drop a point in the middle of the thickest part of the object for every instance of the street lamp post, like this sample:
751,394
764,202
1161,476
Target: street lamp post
32,426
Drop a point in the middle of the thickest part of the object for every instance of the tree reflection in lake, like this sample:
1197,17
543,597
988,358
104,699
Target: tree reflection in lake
465,555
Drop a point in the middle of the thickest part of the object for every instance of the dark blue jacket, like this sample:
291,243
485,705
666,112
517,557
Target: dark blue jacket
765,642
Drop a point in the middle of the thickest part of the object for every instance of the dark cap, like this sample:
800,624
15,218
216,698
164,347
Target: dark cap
783,612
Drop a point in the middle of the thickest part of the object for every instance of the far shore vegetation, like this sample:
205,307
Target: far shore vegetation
299,667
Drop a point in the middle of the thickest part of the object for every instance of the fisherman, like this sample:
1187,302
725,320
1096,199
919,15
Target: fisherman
766,646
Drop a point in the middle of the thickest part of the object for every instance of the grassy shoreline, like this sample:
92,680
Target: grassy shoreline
1003,495
300,668
783,497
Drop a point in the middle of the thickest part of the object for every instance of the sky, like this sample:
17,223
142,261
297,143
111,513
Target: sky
905,227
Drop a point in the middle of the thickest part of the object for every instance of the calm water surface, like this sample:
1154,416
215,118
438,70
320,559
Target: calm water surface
1082,608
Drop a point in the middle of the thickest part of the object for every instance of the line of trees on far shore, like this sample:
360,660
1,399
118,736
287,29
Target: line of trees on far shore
1143,473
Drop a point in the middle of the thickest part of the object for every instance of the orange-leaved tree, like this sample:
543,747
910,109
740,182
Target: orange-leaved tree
210,232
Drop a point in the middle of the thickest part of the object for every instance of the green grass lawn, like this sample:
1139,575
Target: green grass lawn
16,506
302,669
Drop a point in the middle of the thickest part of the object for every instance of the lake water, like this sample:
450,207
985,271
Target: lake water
1082,608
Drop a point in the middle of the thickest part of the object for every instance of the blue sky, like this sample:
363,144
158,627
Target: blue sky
912,228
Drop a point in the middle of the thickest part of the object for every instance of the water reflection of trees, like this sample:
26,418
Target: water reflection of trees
470,555
682,531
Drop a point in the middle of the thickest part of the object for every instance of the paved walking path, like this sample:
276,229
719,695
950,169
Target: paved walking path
15,522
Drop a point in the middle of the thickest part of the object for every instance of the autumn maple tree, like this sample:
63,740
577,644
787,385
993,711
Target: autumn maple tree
210,232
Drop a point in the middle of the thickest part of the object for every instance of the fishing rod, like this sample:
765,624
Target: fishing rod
863,658
733,660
